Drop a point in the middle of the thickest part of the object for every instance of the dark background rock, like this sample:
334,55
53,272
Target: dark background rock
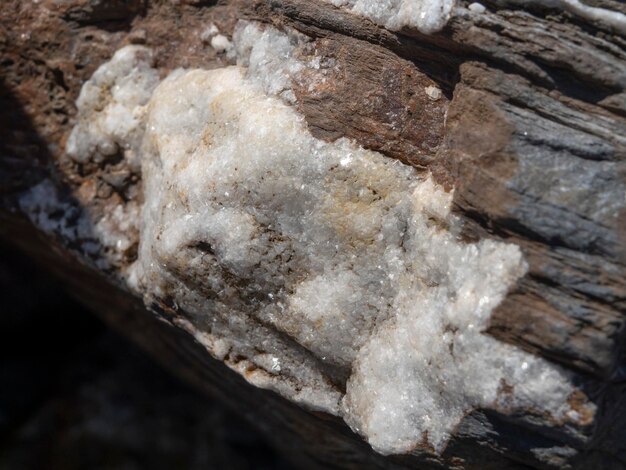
76,395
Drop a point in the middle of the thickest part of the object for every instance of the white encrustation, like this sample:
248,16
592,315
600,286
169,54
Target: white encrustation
430,16
427,16
301,263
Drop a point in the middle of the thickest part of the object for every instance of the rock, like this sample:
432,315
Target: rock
492,150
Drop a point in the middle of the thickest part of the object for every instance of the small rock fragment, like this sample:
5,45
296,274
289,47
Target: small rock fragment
477,8
433,92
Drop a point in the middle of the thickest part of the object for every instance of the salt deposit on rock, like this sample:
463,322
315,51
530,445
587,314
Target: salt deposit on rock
268,57
428,16
111,106
301,263
110,120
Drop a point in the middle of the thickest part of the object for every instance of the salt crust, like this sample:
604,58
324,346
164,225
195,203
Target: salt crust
430,16
292,257
218,41
111,106
269,57
427,16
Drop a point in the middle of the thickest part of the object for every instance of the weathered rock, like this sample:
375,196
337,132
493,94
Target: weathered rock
519,110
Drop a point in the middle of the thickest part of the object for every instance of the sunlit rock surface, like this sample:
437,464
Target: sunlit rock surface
430,16
331,274
427,16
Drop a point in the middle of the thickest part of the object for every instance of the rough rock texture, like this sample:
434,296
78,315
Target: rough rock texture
521,111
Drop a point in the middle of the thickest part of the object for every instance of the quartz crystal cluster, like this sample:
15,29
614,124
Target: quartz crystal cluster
111,106
329,273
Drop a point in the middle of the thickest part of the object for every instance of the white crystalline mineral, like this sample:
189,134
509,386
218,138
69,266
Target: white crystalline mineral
268,55
428,16
111,106
302,263
218,41
221,43
348,252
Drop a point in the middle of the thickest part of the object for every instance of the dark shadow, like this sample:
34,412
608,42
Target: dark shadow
24,156
75,395
110,15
